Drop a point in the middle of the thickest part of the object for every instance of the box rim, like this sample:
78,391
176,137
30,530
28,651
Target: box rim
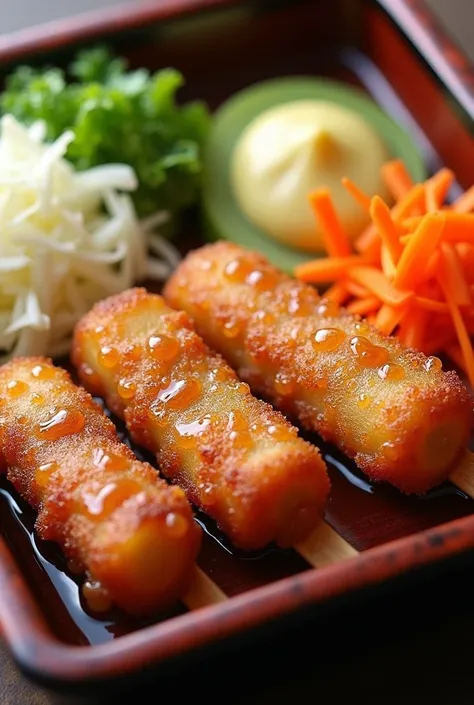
436,46
47,660
41,655
88,25
417,21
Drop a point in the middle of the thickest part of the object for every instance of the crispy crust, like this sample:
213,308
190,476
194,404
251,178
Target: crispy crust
409,429
93,497
237,458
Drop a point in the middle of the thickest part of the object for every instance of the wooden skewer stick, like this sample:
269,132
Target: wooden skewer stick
463,476
322,547
325,546
203,592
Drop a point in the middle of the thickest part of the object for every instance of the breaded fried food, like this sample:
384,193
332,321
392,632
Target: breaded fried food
113,516
393,410
238,459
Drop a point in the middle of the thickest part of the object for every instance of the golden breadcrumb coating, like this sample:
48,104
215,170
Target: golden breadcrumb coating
393,410
111,514
236,457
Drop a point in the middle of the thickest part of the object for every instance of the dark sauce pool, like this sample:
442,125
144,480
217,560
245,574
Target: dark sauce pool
367,515
364,514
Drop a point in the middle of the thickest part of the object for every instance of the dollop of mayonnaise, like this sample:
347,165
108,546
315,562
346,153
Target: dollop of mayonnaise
290,150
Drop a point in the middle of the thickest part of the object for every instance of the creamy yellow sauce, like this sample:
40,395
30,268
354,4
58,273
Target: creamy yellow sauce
294,148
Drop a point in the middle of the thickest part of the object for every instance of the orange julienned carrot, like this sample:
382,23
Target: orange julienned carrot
413,328
431,304
465,202
337,292
362,199
356,289
388,318
375,282
364,306
335,239
389,232
437,189
420,246
386,263
462,334
396,178
452,273
326,269
412,256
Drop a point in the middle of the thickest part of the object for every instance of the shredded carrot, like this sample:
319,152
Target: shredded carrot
411,271
358,195
469,321
337,293
418,249
396,178
335,239
463,336
465,202
387,263
375,282
372,253
430,270
412,203
412,328
326,269
431,304
388,231
368,243
452,275
466,253
388,318
410,224
430,289
459,227
356,290
432,265
437,189
363,307
410,206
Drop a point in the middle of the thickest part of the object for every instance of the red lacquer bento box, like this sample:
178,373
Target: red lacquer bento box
396,51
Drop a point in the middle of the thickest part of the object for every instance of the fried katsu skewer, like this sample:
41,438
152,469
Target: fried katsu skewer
236,457
393,410
132,533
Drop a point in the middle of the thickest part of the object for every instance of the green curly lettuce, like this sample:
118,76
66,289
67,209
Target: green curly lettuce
119,115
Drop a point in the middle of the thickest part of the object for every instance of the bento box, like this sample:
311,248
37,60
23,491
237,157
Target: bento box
397,53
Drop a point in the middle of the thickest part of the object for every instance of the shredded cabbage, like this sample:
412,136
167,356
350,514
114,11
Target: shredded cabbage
67,240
